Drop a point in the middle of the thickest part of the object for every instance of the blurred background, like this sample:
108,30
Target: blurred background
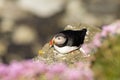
26,25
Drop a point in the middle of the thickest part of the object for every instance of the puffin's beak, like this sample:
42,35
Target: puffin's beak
51,43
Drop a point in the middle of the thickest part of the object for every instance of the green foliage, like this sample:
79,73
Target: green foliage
107,63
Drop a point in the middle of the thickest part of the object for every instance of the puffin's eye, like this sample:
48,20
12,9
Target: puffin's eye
59,38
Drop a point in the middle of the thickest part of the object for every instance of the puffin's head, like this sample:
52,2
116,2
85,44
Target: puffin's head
58,39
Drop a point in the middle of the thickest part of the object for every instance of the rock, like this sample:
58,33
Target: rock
1,3
42,8
76,13
23,35
3,47
102,6
49,55
7,26
10,10
95,12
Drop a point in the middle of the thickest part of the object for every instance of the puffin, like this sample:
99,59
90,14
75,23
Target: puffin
67,41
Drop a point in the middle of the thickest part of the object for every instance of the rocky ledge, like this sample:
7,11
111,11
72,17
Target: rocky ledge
49,55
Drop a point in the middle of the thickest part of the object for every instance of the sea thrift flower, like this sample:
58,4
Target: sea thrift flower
37,67
25,69
29,70
108,30
82,66
80,71
55,70
117,25
15,71
3,71
85,68
97,40
72,74
49,76
111,29
88,74
88,48
78,74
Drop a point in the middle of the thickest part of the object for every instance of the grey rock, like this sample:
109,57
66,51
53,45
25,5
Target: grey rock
42,8
24,35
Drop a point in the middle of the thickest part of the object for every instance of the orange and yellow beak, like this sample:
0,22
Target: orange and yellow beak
51,43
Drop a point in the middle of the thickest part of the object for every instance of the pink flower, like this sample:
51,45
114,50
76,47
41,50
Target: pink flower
3,71
104,33
15,70
50,76
81,65
72,74
97,40
88,74
86,49
29,70
55,70
25,69
110,29
117,25
80,71
85,69
34,68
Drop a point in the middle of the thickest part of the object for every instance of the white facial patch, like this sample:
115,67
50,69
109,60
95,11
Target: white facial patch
65,49
60,40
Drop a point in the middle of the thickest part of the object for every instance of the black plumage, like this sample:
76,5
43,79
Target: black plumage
73,37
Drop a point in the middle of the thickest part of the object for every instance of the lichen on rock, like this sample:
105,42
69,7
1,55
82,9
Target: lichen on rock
49,55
